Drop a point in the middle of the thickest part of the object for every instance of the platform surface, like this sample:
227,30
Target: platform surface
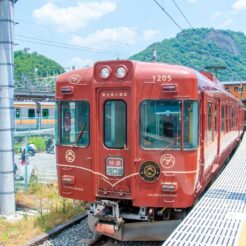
219,218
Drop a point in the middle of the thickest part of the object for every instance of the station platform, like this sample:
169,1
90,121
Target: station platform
219,218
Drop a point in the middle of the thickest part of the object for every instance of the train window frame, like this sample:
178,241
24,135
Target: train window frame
104,123
198,125
31,115
60,125
180,147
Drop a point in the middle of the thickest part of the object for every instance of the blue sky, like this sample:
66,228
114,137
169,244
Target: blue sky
80,32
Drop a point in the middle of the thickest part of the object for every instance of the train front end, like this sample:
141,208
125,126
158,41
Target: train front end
127,142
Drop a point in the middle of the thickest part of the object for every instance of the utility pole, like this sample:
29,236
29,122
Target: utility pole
7,191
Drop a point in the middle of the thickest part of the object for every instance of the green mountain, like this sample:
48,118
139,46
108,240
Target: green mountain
29,66
200,48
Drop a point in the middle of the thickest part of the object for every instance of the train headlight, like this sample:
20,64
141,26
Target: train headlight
105,72
121,72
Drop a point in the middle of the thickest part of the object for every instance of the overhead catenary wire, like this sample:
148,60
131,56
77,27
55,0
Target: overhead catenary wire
66,46
168,15
182,13
63,31
60,46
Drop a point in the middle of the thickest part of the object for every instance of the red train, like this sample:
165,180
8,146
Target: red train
140,142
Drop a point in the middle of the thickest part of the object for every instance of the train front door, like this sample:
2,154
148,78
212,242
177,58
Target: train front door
114,143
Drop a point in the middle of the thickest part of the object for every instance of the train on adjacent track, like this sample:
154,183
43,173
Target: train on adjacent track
140,142
34,115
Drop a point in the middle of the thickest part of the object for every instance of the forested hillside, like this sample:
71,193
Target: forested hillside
199,48
29,66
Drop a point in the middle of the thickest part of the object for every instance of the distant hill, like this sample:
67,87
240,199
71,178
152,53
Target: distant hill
29,66
199,48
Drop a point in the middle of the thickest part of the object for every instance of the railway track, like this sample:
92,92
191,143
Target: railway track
77,233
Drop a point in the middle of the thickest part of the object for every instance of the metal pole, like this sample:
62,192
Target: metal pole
7,191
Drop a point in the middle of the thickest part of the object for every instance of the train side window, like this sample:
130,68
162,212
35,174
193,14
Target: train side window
17,113
45,113
227,119
115,124
233,118
160,124
210,122
215,114
190,124
74,118
223,119
31,113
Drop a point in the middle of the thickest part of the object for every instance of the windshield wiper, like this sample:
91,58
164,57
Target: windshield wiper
80,134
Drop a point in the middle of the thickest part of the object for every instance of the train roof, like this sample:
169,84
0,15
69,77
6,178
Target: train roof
25,102
42,103
147,69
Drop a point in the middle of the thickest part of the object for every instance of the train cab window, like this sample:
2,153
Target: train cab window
190,124
17,113
74,117
160,124
210,122
115,124
236,88
31,113
45,113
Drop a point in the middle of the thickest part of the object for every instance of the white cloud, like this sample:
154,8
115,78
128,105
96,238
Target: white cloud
149,35
106,37
226,23
239,5
74,17
114,37
216,15
79,62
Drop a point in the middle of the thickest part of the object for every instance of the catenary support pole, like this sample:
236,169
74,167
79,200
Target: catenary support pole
7,191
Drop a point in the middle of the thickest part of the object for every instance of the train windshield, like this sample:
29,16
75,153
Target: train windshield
74,118
161,124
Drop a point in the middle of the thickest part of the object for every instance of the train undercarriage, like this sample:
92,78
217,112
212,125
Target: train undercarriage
122,221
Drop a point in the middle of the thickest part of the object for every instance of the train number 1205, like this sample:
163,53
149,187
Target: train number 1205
162,78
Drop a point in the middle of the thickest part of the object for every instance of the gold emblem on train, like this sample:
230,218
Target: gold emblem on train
149,171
